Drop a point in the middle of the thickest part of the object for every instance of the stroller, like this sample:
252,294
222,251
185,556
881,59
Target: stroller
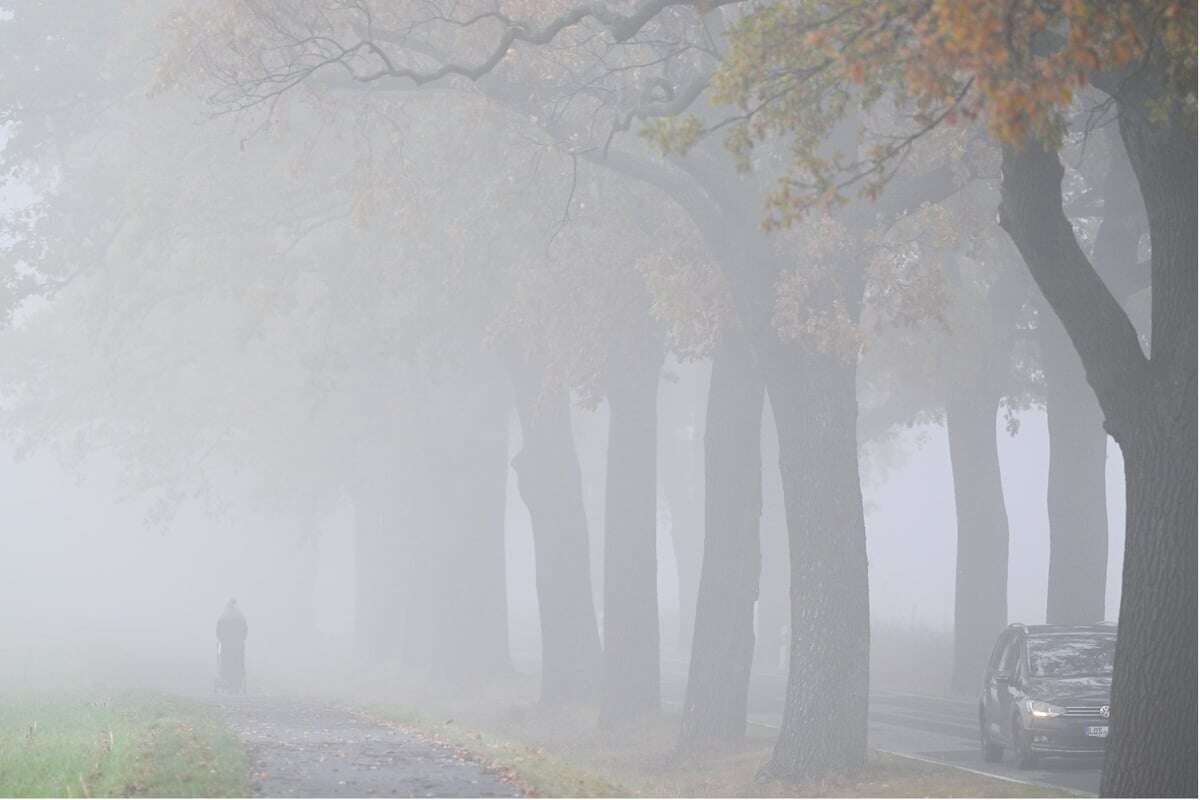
231,671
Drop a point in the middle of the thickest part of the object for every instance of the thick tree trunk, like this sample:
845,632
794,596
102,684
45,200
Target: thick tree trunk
981,578
590,429
1152,752
825,716
687,528
1075,491
1076,495
714,707
549,482
681,476
470,632
1150,410
825,713
771,614
631,634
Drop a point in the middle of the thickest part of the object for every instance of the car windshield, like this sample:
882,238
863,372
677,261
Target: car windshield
1070,655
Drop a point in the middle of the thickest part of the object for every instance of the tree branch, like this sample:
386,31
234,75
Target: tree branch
326,51
1031,212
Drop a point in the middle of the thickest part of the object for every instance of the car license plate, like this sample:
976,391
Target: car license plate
1097,730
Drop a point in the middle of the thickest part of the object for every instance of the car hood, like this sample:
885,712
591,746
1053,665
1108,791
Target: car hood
1089,691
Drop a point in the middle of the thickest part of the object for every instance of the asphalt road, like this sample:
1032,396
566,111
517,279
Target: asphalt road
940,729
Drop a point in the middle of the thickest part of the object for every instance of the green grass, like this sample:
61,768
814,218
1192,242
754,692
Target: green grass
121,745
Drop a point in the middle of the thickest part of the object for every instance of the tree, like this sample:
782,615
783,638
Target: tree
714,708
1019,65
1078,442
681,476
174,255
797,70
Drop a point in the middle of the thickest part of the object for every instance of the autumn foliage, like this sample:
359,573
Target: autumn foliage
901,68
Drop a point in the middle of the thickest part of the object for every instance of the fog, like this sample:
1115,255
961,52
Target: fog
701,396
92,577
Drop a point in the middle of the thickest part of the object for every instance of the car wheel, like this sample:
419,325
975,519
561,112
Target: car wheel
992,752
1022,751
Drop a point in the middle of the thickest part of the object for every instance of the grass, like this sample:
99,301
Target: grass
562,753
122,745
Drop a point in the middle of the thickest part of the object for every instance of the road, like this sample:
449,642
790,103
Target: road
302,749
940,729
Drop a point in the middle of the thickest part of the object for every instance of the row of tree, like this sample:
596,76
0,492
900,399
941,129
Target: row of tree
419,215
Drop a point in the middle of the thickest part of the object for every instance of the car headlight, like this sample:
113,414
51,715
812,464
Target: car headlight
1043,710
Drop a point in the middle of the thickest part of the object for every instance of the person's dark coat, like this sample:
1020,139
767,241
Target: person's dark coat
231,633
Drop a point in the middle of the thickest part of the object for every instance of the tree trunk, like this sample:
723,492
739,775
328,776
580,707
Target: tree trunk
714,707
1076,495
590,430
549,482
1149,407
825,712
772,609
813,395
631,634
687,529
470,642
981,577
681,476
1075,491
1152,750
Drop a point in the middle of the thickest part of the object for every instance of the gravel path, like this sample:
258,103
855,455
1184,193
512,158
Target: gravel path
311,750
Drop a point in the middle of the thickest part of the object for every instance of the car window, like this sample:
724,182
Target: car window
1071,655
997,651
1008,661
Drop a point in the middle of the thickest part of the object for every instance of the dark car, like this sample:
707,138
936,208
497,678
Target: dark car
1046,692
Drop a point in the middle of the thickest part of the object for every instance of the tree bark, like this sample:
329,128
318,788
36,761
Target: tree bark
1076,494
981,564
549,482
1149,406
1076,497
825,713
1152,752
714,707
772,609
589,427
813,395
681,476
631,633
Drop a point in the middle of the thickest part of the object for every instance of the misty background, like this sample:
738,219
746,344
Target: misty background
92,575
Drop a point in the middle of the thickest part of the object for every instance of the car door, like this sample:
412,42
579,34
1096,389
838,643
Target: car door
995,689
1010,691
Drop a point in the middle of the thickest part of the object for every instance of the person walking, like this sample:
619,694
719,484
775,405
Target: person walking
231,638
